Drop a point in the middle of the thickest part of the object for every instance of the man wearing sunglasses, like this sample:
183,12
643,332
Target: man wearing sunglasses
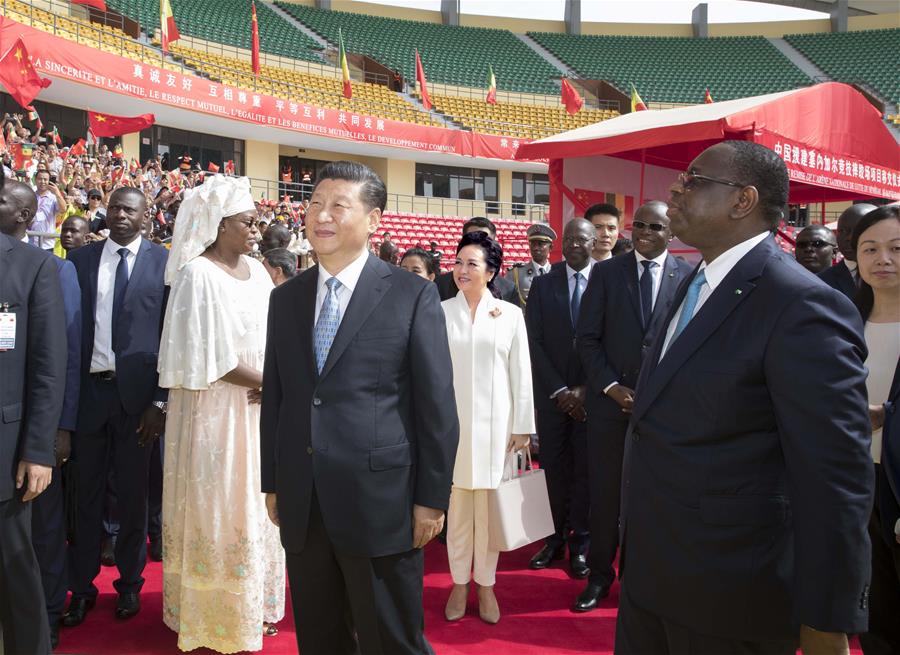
747,483
624,302
815,248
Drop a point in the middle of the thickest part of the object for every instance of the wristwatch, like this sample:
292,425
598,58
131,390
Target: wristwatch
161,405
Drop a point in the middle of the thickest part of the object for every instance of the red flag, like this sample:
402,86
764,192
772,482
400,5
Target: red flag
18,75
229,167
570,97
168,30
109,125
161,217
96,4
254,39
21,153
423,83
77,149
116,175
212,168
707,99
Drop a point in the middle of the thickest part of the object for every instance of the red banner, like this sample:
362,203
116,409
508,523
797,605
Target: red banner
52,55
826,169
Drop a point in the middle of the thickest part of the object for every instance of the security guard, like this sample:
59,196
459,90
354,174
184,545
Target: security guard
540,239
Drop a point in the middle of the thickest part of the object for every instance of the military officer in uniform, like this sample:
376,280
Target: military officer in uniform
540,239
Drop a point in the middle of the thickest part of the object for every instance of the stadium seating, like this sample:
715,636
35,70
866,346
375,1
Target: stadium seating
409,230
451,55
870,57
228,22
513,119
676,69
289,84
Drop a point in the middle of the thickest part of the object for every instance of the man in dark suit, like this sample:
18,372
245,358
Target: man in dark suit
358,428
747,483
33,362
551,314
843,276
121,408
621,310
447,286
48,525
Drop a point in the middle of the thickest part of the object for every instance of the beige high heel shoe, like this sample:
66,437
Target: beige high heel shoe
456,603
488,609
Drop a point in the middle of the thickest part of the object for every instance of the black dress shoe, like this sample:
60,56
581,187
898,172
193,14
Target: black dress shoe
54,636
128,605
545,556
108,552
77,610
155,550
589,598
578,567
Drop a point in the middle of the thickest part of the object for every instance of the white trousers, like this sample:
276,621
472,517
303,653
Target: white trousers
467,538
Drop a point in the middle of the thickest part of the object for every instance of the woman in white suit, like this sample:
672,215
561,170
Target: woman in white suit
492,381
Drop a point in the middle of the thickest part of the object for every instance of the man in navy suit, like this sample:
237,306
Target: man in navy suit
843,276
622,307
121,407
747,483
551,315
48,525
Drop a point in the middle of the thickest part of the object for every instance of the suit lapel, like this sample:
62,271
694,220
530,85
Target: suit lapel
372,285
139,272
6,246
561,291
667,287
93,272
732,291
629,273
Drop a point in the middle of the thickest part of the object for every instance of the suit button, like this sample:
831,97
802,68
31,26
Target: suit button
317,402
636,436
309,450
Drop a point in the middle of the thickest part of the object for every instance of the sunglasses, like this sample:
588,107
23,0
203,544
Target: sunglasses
815,243
641,225
689,180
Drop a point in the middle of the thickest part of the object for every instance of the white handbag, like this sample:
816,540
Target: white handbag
519,509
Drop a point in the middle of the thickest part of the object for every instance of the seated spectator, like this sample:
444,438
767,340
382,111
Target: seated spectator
815,248
281,265
420,262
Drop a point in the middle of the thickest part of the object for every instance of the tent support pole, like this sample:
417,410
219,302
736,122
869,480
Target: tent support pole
643,165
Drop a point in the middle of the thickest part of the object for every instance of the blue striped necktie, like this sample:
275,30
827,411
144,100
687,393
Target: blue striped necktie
327,325
690,304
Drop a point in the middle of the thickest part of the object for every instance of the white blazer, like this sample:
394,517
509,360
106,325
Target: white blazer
492,381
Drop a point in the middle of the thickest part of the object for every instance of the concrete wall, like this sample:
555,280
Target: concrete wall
131,146
260,162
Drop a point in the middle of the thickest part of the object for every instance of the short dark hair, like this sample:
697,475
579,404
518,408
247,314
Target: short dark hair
480,222
602,208
865,297
373,192
758,166
282,258
493,254
426,257
623,246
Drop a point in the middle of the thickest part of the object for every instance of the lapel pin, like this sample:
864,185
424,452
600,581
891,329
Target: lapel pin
737,292
671,275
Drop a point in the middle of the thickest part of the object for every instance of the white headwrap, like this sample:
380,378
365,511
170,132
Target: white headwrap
201,212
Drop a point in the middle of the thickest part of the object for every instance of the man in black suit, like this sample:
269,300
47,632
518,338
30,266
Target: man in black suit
121,409
551,314
18,205
33,362
619,320
447,286
844,276
747,483
358,428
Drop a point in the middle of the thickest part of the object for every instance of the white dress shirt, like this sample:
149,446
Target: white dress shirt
655,273
715,273
348,278
853,267
540,270
103,358
582,283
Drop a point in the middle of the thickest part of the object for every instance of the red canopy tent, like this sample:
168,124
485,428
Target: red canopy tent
834,143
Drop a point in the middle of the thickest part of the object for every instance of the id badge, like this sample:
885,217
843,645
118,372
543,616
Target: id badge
7,329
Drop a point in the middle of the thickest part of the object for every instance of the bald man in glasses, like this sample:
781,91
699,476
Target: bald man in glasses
815,248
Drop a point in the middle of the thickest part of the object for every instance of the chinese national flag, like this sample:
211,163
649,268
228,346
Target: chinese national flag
707,99
168,30
109,125
254,39
18,75
212,168
571,98
423,83
77,149
96,4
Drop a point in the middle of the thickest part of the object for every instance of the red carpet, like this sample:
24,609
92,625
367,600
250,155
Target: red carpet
534,604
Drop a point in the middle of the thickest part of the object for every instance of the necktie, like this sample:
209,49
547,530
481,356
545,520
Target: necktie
327,325
575,304
690,303
121,284
540,270
646,289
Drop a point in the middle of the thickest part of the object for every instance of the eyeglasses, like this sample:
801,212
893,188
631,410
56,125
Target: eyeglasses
815,243
577,241
641,225
251,224
689,180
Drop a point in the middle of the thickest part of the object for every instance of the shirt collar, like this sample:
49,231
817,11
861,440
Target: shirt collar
537,266
584,271
349,277
722,265
113,248
660,260
851,265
